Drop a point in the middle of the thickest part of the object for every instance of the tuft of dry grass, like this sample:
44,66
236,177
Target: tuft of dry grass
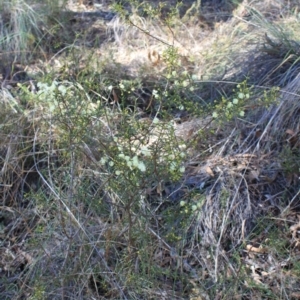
118,180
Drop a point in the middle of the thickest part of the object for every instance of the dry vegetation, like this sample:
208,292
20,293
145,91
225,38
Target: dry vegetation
150,151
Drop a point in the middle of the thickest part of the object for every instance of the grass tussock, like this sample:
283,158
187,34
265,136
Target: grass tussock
158,160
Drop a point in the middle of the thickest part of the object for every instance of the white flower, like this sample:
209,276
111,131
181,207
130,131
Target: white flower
215,114
174,73
194,207
121,155
135,161
103,160
91,107
182,169
145,151
185,83
182,203
181,107
170,125
171,156
41,85
111,163
156,96
121,85
155,120
53,85
235,101
52,107
229,105
241,95
118,172
62,89
242,113
142,166
173,166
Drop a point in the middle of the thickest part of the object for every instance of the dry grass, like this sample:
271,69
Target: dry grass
82,218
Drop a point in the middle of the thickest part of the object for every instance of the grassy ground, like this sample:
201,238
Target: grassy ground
149,151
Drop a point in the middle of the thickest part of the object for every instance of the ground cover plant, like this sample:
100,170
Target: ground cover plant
149,150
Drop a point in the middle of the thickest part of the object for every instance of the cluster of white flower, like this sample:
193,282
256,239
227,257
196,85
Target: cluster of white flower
46,93
155,94
236,105
174,160
138,156
193,207
145,151
126,86
48,96
133,162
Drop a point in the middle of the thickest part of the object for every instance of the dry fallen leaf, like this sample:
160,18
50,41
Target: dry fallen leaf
195,295
253,175
256,277
295,230
209,171
293,140
290,132
295,295
159,189
256,250
115,96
